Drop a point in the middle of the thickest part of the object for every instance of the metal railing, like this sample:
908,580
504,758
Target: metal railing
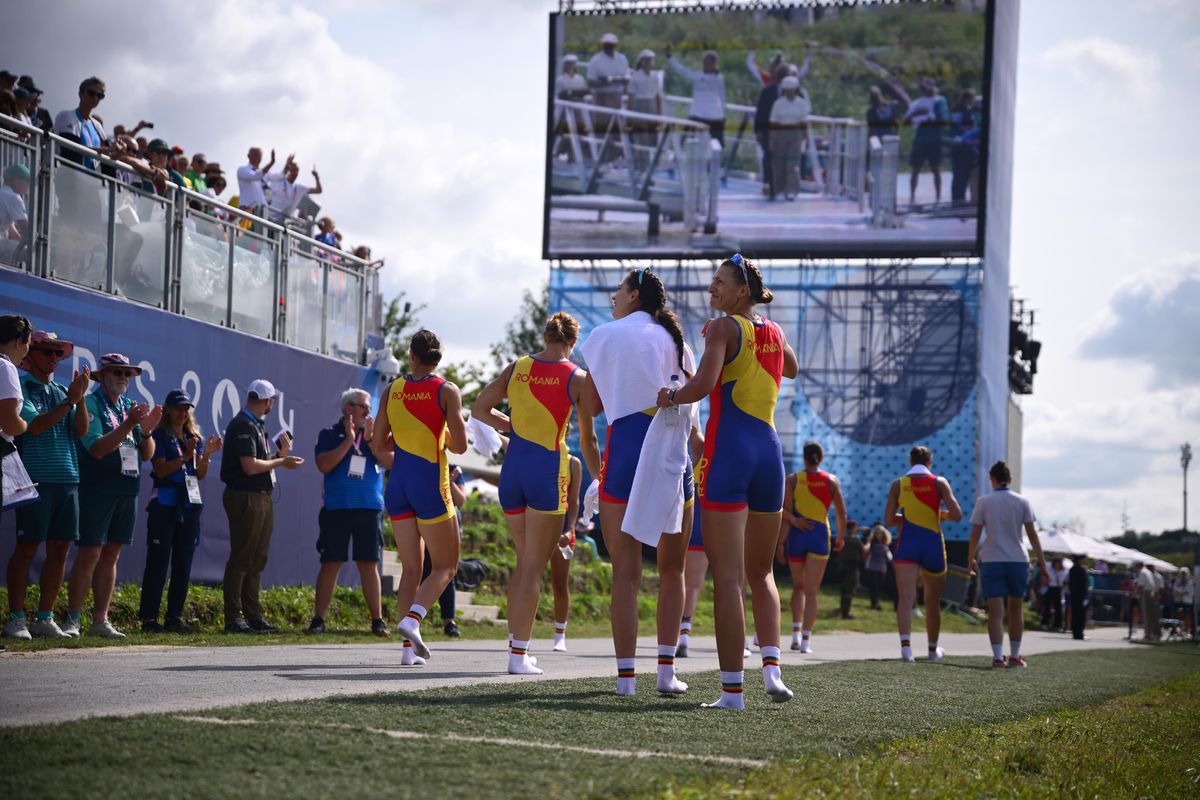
95,223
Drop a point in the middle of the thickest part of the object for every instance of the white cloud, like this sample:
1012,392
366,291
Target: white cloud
1189,53
1108,68
1154,321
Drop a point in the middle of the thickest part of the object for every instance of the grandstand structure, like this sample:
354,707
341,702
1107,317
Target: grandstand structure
893,351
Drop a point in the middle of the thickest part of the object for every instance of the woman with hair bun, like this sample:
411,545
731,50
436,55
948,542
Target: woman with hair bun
419,419
628,359
541,389
741,473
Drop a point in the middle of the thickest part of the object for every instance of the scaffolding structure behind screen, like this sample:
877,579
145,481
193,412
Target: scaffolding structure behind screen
888,352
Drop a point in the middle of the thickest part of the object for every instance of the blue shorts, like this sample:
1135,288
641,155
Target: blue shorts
55,515
622,449
814,542
697,541
340,527
744,469
418,488
106,518
921,546
535,478
1004,579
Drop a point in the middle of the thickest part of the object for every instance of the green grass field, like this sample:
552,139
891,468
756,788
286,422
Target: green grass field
875,728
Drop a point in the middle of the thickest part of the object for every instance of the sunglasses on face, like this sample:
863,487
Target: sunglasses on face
54,352
122,373
95,94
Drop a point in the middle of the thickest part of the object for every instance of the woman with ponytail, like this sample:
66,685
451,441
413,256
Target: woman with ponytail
628,359
741,476
542,389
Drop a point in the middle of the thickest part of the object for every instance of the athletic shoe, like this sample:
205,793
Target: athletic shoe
999,663
806,647
239,625
262,626
177,626
937,655
71,627
451,629
47,629
681,651
105,630
152,626
317,625
16,629
795,645
1017,661
378,627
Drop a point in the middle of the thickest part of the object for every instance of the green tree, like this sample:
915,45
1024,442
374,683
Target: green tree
523,333
400,322
469,376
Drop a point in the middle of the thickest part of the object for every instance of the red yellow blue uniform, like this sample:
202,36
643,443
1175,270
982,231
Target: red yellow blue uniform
920,540
622,449
537,467
696,542
419,483
811,500
742,463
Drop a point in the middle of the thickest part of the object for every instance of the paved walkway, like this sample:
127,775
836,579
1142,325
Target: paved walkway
61,685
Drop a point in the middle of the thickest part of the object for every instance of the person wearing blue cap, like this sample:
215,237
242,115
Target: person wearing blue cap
180,463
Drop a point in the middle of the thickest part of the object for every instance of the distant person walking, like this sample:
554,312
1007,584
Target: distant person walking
1052,600
920,500
879,556
850,559
1079,586
1004,570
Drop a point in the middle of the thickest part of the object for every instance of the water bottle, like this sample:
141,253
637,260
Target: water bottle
567,551
676,411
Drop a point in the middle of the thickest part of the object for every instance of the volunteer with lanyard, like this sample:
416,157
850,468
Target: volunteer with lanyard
180,462
350,522
742,476
108,488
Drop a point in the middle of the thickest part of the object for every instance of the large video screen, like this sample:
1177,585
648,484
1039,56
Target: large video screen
777,131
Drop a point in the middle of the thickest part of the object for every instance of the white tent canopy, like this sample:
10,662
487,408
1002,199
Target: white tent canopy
1061,540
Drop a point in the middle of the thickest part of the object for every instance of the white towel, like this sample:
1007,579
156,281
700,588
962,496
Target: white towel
484,437
629,360
656,497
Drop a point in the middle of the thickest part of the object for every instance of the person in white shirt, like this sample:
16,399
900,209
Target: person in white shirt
14,221
1052,600
1147,584
608,72
250,181
645,96
1004,564
286,194
570,85
708,92
788,127
15,335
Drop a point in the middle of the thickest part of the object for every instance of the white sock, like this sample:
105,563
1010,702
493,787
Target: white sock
1015,645
410,627
796,628
932,645
560,637
518,659
806,642
998,651
667,682
906,648
772,679
731,692
685,632
408,658
626,676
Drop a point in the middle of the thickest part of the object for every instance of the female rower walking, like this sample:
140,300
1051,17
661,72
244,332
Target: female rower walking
742,476
542,390
419,419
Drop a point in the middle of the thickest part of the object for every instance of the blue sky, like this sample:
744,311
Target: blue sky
427,122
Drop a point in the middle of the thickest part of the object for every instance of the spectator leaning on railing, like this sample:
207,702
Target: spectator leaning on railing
250,177
56,417
286,193
39,116
81,126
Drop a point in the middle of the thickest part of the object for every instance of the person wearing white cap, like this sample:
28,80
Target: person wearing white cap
608,72
570,85
708,92
248,472
788,127
645,96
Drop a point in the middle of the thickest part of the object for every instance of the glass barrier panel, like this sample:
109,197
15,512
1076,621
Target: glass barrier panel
14,151
140,244
254,260
342,296
79,227
204,270
305,292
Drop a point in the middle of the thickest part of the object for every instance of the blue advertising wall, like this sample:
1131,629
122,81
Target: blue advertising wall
214,365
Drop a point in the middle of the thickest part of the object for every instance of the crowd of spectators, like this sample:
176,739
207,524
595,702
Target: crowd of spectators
152,164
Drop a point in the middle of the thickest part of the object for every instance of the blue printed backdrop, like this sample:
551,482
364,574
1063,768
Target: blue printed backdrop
214,365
